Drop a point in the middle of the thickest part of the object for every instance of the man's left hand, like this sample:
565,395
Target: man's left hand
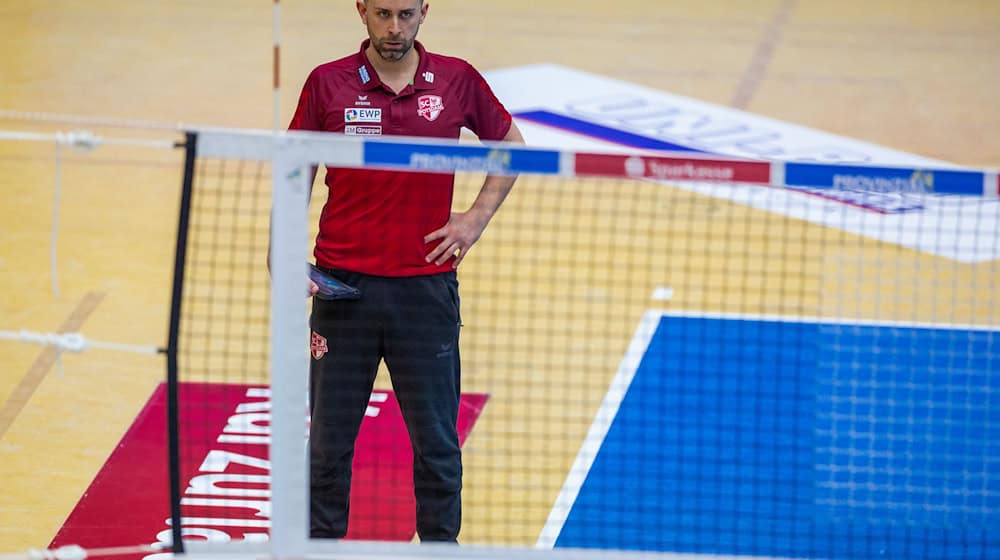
457,237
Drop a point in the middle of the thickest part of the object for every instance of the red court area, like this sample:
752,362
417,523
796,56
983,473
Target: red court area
226,473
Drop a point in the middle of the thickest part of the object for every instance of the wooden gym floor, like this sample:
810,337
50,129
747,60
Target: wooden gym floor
915,75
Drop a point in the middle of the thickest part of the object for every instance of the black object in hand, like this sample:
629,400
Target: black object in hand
329,287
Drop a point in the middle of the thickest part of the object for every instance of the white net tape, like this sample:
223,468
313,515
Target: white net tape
75,342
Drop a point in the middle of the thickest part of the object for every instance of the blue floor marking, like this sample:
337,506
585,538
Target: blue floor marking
601,132
794,439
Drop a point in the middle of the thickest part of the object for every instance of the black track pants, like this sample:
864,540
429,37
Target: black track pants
413,324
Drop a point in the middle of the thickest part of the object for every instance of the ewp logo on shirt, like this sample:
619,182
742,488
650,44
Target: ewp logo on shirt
356,114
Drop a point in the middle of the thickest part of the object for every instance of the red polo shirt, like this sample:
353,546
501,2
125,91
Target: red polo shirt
374,222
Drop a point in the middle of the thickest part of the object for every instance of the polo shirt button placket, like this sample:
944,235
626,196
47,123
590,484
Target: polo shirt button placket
395,114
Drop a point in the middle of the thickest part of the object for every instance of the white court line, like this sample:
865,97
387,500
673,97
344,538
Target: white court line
663,293
831,321
599,428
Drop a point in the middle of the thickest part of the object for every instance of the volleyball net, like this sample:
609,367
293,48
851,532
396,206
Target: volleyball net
662,354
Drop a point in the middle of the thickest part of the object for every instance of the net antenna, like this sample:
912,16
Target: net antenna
276,64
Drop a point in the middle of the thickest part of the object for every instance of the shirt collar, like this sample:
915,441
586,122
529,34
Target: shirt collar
368,77
424,78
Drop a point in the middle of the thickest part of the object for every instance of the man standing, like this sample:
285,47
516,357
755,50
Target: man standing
393,236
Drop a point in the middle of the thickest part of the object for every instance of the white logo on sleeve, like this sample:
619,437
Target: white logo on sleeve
635,166
356,115
429,106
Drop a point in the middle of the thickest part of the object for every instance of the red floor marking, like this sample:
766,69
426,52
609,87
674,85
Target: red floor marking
223,462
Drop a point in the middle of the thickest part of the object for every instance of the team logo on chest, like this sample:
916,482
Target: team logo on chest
429,106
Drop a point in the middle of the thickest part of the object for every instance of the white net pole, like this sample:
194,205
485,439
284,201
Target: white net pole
289,363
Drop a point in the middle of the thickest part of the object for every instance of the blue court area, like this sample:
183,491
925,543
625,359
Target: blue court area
777,437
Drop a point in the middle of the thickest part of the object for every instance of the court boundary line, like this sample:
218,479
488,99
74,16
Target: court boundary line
39,369
599,428
828,320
